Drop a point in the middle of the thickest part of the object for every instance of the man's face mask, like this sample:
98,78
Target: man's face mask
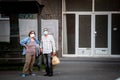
45,32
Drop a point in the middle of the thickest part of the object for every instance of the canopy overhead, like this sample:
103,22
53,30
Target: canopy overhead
19,7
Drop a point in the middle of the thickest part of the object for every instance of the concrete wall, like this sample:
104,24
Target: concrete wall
53,10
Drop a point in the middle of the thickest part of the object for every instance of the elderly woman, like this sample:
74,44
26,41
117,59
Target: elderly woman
30,51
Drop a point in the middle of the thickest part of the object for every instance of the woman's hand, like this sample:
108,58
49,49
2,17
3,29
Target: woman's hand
26,46
41,51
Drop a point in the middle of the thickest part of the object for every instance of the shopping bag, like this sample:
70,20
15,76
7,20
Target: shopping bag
55,60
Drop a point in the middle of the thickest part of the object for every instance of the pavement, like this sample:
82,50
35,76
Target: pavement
75,69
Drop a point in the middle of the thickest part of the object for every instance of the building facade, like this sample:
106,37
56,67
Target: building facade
85,27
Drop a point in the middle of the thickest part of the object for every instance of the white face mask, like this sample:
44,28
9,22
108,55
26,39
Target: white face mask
32,35
45,32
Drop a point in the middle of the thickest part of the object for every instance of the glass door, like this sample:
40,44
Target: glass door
84,35
101,35
92,35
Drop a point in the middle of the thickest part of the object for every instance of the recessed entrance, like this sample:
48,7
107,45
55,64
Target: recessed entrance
93,28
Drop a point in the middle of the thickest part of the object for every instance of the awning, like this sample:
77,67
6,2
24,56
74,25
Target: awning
18,7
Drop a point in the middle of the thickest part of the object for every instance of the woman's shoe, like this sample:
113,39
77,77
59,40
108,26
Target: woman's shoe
23,75
33,74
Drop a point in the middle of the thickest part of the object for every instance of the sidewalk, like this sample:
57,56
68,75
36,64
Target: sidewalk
74,69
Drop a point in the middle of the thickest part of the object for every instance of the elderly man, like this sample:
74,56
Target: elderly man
48,48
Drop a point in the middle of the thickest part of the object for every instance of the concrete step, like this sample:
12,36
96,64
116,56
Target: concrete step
89,59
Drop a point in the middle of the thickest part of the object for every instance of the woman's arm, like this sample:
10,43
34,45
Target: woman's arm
23,42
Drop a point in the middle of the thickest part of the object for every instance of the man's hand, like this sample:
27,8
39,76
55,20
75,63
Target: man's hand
41,50
54,53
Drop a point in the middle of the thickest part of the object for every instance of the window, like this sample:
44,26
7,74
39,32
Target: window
84,31
78,5
107,5
70,19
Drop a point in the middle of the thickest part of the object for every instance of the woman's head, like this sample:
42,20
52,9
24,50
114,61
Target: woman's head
32,34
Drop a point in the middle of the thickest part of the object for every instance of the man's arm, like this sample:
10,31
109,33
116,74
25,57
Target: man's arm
53,45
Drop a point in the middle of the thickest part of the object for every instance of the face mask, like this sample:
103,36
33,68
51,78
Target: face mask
45,32
32,35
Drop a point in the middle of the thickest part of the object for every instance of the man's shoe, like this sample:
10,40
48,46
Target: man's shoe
45,74
50,75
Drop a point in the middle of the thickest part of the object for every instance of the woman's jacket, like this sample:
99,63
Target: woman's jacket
25,41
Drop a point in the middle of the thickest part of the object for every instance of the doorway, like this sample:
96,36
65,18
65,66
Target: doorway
92,35
115,37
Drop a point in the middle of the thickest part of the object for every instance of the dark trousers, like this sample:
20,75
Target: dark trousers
48,64
38,61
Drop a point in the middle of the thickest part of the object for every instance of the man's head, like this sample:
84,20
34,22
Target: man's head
45,31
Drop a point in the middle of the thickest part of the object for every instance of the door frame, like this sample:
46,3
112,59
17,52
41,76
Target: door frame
77,34
108,49
92,52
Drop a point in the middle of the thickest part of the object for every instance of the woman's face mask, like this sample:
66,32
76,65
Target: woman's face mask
45,32
32,35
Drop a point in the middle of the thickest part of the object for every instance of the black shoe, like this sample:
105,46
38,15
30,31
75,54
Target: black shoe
45,74
50,75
